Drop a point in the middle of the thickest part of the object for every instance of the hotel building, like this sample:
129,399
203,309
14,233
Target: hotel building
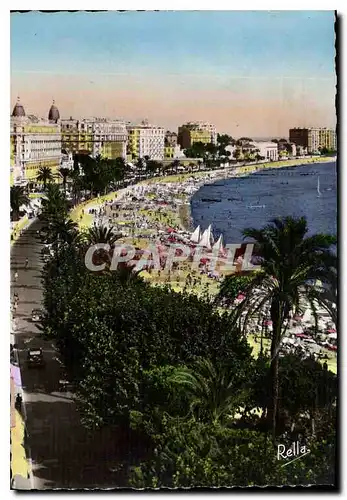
146,140
35,142
95,136
192,132
313,139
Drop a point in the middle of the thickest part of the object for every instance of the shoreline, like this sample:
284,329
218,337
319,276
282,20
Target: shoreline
187,220
183,211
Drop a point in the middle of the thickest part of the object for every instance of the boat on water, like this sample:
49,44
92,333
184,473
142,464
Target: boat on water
210,200
318,188
255,206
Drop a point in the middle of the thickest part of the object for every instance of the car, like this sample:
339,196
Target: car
36,315
35,358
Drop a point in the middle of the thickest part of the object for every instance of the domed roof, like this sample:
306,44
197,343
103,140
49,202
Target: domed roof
18,110
53,114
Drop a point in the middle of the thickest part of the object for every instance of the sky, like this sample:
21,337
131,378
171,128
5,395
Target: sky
251,73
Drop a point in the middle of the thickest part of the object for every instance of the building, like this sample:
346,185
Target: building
254,149
170,138
192,132
95,136
313,139
173,152
265,149
35,142
205,127
146,140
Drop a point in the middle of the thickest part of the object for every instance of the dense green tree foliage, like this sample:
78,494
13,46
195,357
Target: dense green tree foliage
18,197
176,373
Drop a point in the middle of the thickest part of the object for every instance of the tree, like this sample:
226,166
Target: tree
308,395
214,389
45,176
54,205
64,172
233,285
224,140
194,454
237,154
60,232
77,184
18,197
153,166
133,321
102,234
290,263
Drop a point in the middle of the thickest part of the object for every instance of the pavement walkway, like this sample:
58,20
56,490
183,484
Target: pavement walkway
62,452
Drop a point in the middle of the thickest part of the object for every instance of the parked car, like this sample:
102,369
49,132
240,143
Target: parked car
36,315
35,358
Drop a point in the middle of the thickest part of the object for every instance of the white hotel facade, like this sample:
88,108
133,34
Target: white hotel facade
146,140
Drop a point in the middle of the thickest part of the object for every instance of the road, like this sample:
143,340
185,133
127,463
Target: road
63,453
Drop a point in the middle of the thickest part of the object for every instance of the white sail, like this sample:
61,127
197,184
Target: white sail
318,187
219,244
207,239
211,234
196,235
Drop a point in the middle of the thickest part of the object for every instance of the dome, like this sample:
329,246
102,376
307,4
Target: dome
53,114
18,110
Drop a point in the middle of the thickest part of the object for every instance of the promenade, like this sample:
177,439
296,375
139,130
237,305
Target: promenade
63,453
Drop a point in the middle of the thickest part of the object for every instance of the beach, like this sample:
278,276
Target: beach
152,210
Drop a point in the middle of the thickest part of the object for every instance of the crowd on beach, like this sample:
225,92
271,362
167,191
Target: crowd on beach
149,212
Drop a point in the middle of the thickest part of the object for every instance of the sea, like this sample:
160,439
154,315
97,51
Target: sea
234,204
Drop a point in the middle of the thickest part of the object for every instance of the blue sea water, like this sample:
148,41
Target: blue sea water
288,191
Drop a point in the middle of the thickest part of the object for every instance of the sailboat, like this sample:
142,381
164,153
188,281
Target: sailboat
207,239
196,235
318,188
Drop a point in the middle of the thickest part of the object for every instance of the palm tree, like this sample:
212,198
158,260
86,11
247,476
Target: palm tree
54,205
291,262
18,197
64,172
102,234
77,184
45,175
211,390
62,231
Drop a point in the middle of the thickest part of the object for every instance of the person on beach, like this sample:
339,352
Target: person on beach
16,276
26,263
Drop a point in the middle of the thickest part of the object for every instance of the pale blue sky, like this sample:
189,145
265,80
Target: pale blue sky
293,43
258,54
